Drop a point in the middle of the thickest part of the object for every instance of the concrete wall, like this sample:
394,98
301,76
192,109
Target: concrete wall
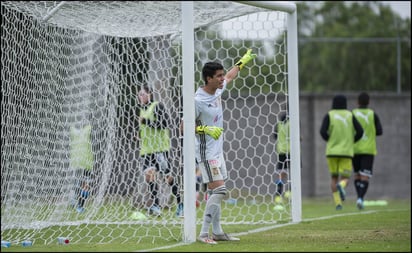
249,144
392,166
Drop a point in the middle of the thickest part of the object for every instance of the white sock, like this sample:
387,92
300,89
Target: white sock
216,227
212,210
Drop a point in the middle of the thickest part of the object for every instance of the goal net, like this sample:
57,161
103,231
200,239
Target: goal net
70,74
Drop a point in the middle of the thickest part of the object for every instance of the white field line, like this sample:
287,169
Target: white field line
274,226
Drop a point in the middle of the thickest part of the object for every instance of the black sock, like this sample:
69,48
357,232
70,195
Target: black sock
175,191
198,183
363,188
82,198
357,187
153,191
81,202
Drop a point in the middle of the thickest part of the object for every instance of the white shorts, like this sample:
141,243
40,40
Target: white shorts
213,170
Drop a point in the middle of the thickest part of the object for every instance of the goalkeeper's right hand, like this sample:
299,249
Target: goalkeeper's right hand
213,131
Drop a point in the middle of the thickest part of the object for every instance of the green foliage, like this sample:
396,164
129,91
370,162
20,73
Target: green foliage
353,47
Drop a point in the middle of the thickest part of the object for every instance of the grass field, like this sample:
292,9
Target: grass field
374,229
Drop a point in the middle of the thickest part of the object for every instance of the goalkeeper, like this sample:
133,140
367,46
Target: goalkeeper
209,143
281,136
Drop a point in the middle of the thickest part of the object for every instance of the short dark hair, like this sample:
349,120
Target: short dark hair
339,102
209,70
363,99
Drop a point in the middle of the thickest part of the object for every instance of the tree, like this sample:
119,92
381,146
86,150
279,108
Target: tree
351,46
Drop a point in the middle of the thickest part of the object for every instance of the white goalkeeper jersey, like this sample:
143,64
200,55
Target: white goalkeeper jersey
209,112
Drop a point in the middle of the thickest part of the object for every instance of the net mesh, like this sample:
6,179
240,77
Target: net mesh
71,71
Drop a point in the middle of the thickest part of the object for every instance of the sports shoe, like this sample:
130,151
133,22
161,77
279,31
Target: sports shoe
155,210
359,204
80,209
342,192
205,239
138,216
224,237
278,207
339,207
179,211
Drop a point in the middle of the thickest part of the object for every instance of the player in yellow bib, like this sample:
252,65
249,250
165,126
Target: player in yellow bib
282,148
340,130
365,148
154,138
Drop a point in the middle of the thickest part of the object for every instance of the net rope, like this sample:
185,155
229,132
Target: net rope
70,65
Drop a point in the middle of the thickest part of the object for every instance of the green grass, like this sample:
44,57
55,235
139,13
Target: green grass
375,229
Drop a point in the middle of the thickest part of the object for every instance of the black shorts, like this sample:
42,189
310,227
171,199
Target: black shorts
160,161
283,162
362,164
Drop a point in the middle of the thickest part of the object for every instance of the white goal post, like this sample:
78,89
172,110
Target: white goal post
188,111
70,75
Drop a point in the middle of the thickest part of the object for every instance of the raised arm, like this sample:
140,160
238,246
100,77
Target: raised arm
232,73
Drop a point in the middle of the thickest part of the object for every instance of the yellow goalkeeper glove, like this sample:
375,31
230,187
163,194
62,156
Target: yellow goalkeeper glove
213,131
245,59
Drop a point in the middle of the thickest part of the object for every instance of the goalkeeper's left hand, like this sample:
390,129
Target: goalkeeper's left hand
245,59
213,131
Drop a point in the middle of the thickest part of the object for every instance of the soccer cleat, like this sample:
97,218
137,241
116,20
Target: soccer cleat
359,204
339,207
179,211
205,239
80,209
278,207
138,216
155,210
342,192
224,237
